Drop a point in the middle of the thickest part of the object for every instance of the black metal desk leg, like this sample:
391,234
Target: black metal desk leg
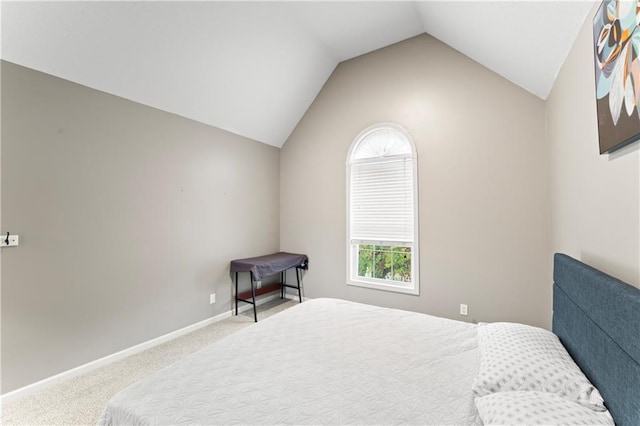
283,280
299,288
253,294
236,293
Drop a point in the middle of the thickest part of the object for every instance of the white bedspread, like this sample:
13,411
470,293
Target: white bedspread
324,361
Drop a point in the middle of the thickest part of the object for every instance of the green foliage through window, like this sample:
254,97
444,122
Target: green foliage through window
385,262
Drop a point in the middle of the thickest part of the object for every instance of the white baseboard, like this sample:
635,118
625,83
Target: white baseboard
85,368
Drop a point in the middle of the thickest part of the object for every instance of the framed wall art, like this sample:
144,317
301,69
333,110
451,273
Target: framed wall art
616,40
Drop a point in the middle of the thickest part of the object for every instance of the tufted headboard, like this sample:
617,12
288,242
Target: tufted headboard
597,318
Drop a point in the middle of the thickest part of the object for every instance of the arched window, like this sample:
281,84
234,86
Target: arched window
382,210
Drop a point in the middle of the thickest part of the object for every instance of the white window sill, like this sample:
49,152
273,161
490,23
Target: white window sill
385,287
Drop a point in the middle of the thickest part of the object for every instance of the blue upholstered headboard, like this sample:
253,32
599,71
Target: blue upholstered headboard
597,318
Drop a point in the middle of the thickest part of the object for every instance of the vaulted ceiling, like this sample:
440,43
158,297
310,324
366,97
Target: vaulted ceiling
253,68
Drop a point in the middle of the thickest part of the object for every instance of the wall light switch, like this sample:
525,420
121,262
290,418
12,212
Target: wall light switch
13,241
212,298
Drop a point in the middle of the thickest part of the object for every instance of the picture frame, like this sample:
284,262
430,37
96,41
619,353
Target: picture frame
616,43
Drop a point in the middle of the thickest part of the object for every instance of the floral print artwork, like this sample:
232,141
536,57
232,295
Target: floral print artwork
617,71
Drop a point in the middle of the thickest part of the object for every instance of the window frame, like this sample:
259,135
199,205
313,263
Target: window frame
353,279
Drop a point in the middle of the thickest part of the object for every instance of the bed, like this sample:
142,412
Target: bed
329,361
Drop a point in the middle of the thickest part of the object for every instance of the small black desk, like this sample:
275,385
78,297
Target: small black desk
264,266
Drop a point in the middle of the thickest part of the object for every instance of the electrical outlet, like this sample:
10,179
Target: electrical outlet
212,298
259,284
463,309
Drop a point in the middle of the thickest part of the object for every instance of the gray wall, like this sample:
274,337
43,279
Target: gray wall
128,217
595,198
483,182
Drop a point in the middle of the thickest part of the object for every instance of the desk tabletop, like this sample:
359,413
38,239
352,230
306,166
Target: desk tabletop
270,264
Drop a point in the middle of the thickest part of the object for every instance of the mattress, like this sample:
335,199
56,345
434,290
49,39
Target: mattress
324,361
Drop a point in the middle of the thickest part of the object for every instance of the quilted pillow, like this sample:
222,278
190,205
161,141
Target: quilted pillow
518,357
536,408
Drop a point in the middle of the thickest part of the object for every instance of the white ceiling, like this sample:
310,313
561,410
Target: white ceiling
253,68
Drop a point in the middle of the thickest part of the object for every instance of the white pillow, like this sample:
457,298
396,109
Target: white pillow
518,357
536,408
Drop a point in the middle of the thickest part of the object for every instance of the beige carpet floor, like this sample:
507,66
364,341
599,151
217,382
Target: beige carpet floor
79,401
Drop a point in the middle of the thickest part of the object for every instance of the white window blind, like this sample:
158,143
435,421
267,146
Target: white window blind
382,202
